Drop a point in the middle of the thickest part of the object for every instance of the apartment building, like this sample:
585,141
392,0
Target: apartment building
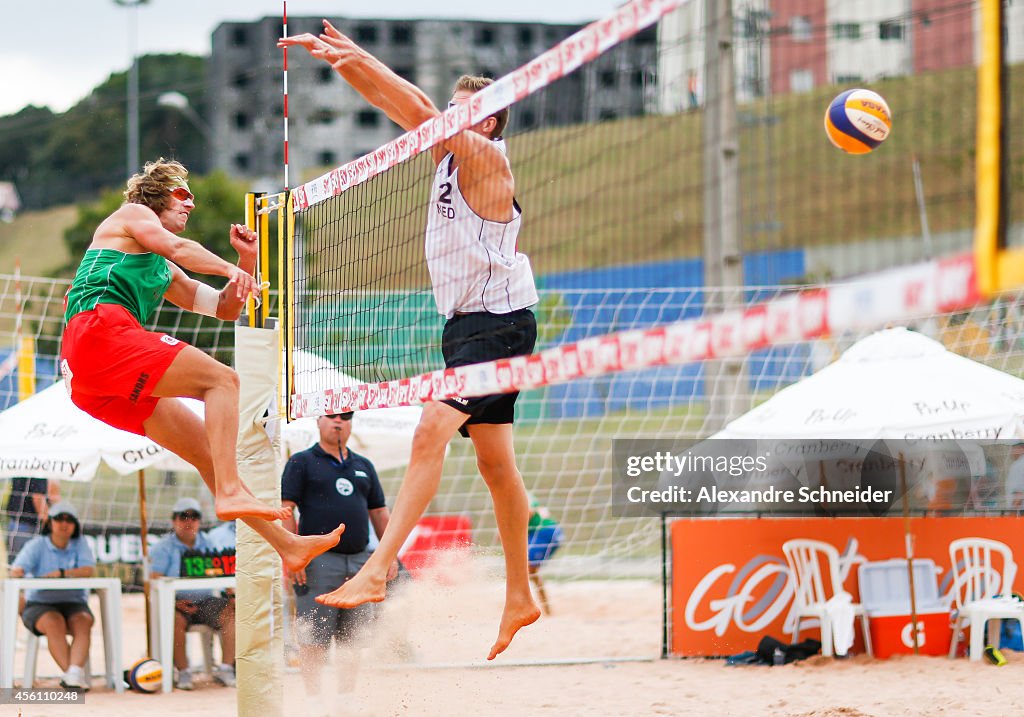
329,123
784,46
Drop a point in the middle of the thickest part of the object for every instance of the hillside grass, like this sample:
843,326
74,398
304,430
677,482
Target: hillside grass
36,239
629,191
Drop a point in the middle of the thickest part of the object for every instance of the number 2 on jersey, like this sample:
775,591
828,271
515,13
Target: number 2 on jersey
446,198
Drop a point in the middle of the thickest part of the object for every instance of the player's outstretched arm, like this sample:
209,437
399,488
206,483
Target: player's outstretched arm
142,225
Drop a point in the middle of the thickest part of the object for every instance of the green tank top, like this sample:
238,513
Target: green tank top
108,276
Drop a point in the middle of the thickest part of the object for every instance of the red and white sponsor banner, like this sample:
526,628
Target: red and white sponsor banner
891,296
731,585
559,61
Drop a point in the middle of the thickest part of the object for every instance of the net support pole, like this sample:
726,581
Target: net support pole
259,653
144,540
725,379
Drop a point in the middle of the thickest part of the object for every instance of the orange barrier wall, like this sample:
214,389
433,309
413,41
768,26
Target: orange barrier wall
730,583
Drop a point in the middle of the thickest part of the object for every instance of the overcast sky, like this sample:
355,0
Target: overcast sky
55,51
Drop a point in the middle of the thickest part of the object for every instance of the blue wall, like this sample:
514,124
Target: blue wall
600,301
46,374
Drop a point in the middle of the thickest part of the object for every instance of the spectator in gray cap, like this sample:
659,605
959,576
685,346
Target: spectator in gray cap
60,552
194,607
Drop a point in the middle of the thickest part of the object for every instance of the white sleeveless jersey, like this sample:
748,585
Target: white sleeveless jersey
473,262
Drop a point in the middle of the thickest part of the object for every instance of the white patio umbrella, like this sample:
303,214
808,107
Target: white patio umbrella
47,436
894,384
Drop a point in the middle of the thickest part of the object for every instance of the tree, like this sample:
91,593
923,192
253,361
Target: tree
61,158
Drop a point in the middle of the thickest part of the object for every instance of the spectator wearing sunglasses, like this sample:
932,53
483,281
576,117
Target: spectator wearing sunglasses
60,552
194,607
128,377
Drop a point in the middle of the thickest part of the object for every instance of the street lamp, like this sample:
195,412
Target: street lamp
178,101
133,83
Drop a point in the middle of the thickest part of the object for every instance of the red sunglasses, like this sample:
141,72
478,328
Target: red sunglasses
182,194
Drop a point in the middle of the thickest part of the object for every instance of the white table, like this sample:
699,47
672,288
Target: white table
109,591
161,616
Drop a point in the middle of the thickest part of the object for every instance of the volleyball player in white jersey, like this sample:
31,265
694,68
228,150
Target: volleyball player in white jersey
485,288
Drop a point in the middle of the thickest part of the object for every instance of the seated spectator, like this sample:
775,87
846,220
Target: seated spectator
194,607
60,552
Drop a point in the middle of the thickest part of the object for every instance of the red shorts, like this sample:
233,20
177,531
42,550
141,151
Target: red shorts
111,365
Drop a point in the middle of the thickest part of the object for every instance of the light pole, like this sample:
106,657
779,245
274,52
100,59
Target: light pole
178,101
133,84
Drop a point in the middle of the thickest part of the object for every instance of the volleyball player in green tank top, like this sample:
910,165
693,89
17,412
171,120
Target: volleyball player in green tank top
128,377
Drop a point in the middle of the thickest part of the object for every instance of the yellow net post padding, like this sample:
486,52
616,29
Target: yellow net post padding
259,648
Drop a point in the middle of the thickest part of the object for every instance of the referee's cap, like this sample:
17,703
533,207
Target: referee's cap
186,504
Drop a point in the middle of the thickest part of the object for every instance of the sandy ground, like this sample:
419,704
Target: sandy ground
596,654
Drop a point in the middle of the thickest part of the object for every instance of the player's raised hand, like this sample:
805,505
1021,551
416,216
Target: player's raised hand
307,40
243,240
340,49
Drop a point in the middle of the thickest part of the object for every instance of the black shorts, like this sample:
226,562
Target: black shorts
481,337
208,611
35,610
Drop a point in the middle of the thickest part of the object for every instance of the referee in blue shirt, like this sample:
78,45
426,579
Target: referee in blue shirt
328,483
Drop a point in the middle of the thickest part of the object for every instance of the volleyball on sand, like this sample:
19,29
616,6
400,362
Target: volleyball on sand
857,121
145,675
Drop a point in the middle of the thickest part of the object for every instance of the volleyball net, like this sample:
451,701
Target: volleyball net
611,165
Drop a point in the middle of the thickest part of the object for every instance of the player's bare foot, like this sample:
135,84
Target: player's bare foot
298,552
515,616
362,588
244,505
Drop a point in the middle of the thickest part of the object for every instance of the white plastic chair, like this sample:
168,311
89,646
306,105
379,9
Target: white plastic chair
977,579
28,677
814,569
205,634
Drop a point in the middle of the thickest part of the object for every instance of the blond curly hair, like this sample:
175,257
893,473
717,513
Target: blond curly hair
153,185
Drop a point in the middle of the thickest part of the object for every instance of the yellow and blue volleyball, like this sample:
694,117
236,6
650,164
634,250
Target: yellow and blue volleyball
857,121
145,675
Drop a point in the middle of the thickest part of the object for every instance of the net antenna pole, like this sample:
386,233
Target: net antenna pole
284,85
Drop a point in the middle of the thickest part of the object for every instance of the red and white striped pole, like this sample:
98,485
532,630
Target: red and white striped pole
284,33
